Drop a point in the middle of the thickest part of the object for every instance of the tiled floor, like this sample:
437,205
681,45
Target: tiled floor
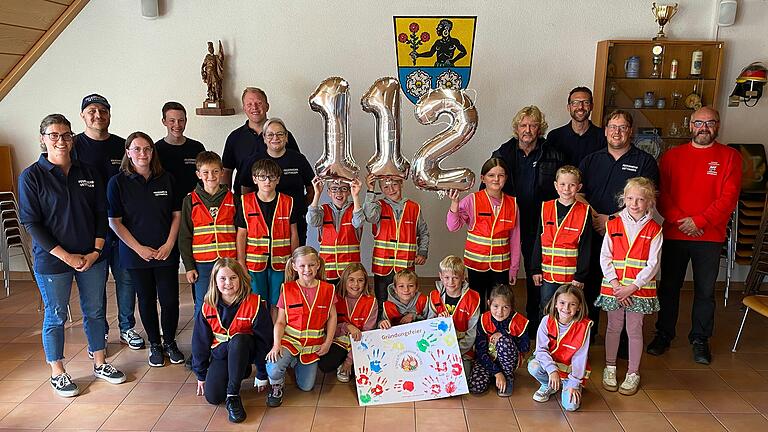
676,394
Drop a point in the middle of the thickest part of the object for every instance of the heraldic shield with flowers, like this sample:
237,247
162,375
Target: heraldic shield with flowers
433,52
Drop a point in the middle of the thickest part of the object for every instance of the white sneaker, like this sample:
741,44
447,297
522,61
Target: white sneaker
543,394
630,385
341,375
609,379
260,385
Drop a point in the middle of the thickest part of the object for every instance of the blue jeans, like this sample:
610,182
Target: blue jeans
125,291
267,284
55,290
547,291
542,377
200,286
305,374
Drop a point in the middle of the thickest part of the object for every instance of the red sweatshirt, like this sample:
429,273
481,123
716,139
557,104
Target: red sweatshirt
702,183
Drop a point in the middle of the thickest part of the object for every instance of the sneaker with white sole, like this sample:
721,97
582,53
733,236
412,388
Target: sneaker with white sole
156,356
543,393
64,386
132,338
174,353
275,396
630,385
609,379
341,375
108,373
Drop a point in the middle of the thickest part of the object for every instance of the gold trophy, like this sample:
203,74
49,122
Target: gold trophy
663,13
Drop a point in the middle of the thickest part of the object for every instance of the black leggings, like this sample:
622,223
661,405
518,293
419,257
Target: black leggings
153,284
483,283
225,375
333,359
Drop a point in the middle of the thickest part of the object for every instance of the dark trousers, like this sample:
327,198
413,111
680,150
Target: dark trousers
333,359
507,357
153,285
225,375
483,283
705,262
593,282
301,227
380,285
533,292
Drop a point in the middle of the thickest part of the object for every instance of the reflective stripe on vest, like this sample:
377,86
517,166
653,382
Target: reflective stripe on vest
305,327
562,347
242,323
560,243
394,241
263,242
630,256
361,311
338,248
213,238
487,245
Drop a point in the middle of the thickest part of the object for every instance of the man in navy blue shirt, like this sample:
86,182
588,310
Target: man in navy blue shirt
104,151
247,140
580,136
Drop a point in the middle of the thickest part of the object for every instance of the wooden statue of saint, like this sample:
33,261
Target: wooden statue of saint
212,72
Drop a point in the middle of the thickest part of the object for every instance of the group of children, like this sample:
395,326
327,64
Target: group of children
262,300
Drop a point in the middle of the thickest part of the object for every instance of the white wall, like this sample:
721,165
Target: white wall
526,52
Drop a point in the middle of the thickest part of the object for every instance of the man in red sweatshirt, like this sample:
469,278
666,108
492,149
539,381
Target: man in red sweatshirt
699,187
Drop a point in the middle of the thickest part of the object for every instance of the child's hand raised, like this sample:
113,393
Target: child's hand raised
370,181
554,381
355,186
317,185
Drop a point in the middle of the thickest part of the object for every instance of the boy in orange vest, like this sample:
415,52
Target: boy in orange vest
561,252
400,234
266,232
340,226
405,304
207,230
453,298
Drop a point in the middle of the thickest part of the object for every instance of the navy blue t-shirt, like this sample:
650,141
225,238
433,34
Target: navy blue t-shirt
106,156
297,176
146,208
61,210
179,161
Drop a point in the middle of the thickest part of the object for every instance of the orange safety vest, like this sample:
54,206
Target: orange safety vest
560,243
487,246
242,323
265,242
213,238
394,241
630,258
562,347
338,249
517,326
465,308
392,313
305,327
361,311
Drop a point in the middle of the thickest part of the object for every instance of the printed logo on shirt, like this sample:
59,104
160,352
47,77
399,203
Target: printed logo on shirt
290,171
627,167
116,162
160,193
712,168
189,161
86,183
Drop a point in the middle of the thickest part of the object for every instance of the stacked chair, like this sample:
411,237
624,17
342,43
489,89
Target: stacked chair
13,236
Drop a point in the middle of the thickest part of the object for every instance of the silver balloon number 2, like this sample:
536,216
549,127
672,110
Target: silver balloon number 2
427,173
331,100
383,101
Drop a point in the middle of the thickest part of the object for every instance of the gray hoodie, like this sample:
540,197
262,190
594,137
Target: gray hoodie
404,308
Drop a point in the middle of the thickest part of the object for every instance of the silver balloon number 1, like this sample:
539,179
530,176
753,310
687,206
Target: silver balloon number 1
331,100
383,101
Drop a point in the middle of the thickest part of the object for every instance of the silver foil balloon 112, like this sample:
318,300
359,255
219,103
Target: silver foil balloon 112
331,100
426,169
383,101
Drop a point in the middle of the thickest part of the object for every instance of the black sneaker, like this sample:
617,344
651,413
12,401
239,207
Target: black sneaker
235,409
174,354
658,346
64,386
156,357
109,373
701,353
275,396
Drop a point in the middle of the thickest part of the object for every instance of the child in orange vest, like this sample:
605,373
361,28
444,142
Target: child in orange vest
207,230
405,303
305,325
266,231
453,297
356,312
500,345
630,260
564,240
340,225
400,233
233,331
492,249
562,345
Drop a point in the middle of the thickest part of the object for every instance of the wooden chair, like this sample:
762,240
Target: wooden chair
757,303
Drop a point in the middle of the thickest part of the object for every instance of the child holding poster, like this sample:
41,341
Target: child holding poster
405,303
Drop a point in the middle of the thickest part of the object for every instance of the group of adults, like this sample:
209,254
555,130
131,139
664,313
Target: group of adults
698,184
95,202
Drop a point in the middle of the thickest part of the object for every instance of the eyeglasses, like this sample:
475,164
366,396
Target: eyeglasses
141,150
620,128
575,103
338,189
55,136
262,177
271,135
699,123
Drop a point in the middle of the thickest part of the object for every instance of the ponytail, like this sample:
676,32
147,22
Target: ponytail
290,273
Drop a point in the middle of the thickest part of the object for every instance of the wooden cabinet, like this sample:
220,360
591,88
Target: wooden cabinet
614,90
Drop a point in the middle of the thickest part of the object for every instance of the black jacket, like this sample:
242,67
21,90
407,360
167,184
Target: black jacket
549,162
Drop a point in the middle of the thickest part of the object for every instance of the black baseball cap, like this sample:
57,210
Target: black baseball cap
94,98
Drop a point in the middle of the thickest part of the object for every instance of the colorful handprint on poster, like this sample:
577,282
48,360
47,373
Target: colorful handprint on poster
410,362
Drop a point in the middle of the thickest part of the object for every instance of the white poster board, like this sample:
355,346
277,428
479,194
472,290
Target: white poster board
409,362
